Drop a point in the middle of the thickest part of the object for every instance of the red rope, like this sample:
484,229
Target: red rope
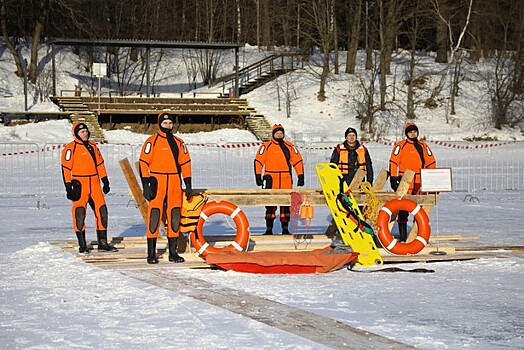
296,202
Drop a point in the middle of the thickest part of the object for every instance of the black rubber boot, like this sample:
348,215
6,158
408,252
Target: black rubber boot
151,251
269,226
103,246
82,245
173,255
402,231
285,230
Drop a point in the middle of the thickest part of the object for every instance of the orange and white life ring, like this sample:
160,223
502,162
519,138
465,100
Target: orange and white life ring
384,235
227,208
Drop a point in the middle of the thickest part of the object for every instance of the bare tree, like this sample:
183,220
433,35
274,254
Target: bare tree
455,47
390,18
506,85
319,16
191,65
366,105
415,25
441,29
11,45
353,12
286,85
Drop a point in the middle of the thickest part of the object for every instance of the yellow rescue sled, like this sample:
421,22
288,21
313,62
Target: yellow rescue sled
347,215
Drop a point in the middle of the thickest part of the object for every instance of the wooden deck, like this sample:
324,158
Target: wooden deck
6,117
144,110
132,250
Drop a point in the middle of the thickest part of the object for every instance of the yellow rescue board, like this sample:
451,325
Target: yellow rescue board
330,177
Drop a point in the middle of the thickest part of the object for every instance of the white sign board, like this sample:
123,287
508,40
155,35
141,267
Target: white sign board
436,180
99,69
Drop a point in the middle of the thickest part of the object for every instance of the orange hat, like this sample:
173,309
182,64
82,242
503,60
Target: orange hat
277,127
410,127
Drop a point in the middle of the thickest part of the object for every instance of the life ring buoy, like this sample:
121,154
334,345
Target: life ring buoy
227,208
392,244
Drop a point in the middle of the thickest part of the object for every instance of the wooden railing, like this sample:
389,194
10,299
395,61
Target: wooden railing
256,70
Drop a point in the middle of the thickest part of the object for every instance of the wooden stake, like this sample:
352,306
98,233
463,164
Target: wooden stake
135,187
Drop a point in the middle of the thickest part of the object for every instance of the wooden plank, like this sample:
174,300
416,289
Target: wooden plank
319,329
273,197
405,182
135,188
354,186
381,180
175,112
159,100
156,106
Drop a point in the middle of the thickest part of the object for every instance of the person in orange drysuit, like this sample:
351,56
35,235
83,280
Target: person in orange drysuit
163,159
351,155
412,154
82,170
276,158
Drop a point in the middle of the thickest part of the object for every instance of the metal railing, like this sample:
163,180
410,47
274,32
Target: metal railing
27,169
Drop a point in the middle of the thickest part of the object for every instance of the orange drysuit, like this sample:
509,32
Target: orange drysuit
276,159
163,166
406,156
83,164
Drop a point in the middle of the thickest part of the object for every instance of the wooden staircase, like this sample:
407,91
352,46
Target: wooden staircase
259,126
264,78
261,72
79,112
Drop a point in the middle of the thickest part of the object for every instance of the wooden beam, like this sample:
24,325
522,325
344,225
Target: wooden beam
279,197
134,187
405,182
381,180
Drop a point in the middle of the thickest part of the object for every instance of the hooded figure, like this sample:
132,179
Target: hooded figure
412,154
275,129
409,127
77,127
274,162
82,170
164,160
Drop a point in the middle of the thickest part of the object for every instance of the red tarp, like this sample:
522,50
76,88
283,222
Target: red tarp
314,261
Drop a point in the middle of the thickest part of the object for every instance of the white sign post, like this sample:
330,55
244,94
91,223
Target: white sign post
436,180
99,70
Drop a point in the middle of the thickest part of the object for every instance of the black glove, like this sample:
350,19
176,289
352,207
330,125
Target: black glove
73,190
300,182
105,188
189,189
146,189
395,181
258,179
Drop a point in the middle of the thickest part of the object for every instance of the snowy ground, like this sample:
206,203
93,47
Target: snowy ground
49,299
52,300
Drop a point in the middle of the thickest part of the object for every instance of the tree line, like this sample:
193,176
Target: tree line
456,30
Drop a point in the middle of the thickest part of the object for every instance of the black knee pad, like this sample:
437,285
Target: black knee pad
154,219
103,215
153,186
80,218
175,219
268,181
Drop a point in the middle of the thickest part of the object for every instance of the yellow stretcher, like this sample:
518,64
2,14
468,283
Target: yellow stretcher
330,179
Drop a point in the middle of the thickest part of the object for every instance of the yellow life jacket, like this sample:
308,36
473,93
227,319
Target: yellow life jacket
190,212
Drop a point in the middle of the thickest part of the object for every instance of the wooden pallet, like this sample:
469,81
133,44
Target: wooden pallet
132,250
